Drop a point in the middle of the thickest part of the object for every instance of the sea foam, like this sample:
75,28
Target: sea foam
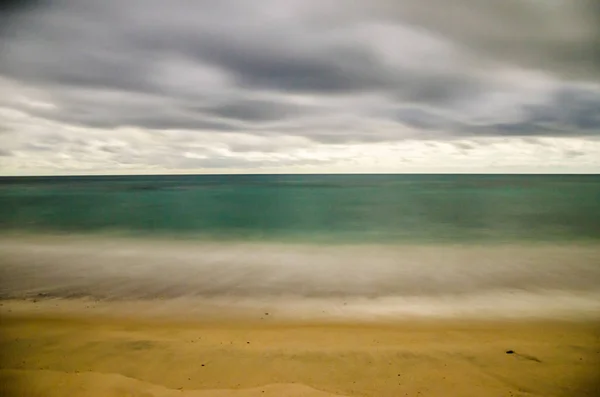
309,280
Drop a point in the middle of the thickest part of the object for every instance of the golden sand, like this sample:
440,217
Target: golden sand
62,354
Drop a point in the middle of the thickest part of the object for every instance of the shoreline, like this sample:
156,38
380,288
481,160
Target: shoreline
178,311
184,240
512,307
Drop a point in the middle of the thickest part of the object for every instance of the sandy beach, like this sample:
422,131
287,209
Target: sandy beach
150,318
66,352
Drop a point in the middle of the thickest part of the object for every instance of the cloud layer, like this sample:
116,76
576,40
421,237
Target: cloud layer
291,75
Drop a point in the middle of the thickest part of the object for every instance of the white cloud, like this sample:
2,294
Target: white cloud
37,146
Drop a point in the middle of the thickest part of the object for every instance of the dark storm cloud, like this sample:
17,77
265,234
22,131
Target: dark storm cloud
311,64
321,69
228,66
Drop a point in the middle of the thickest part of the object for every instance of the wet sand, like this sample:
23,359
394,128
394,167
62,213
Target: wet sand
66,352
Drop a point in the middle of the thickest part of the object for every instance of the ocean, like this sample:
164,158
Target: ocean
334,245
319,209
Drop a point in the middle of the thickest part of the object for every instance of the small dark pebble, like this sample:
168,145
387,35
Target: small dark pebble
248,342
266,314
203,365
510,352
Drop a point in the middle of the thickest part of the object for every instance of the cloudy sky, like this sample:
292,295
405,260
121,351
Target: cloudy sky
229,86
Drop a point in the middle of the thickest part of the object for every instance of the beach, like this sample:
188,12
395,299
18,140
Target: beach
52,347
97,316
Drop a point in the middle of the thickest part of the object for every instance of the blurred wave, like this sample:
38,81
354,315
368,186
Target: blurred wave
378,278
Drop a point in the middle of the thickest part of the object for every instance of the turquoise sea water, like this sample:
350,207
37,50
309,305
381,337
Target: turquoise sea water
310,208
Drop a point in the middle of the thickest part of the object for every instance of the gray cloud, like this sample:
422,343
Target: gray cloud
560,36
257,110
320,70
574,153
436,68
570,109
464,146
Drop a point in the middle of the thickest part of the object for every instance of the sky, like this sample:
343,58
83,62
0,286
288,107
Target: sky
299,86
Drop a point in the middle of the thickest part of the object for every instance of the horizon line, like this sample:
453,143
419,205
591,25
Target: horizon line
299,173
